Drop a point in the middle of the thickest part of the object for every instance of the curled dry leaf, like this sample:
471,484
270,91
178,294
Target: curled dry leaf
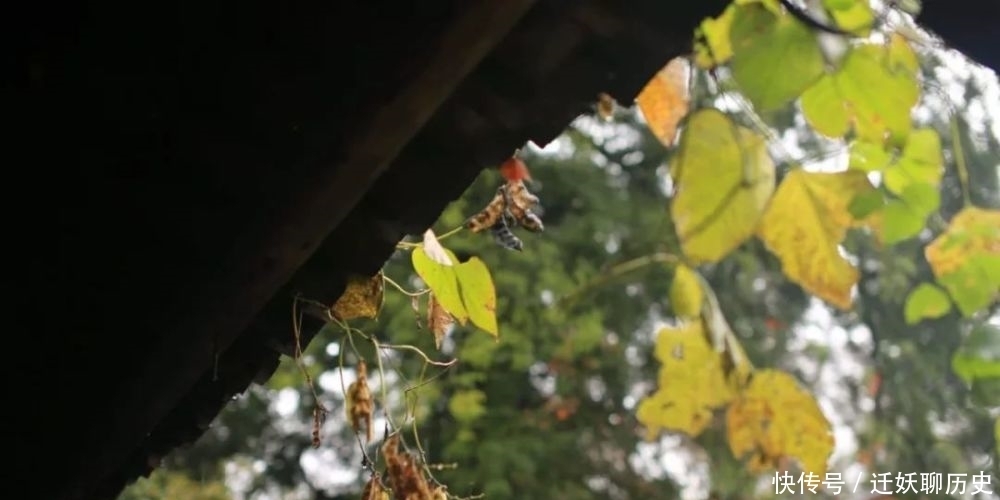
406,479
665,100
361,299
519,202
360,405
434,250
438,320
490,215
504,237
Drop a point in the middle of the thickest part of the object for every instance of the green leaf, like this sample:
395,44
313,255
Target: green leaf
873,92
467,406
866,203
443,281
921,162
724,178
974,286
924,199
926,301
868,156
775,58
900,222
588,332
824,108
478,294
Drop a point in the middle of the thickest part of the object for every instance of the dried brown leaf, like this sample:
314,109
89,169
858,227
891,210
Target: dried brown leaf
665,101
438,320
415,304
489,215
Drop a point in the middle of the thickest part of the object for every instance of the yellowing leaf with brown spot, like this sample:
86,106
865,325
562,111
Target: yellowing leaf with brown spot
664,101
972,231
775,419
686,295
723,178
362,298
475,285
691,383
805,223
966,259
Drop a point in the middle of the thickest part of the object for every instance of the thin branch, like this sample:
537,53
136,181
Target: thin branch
619,270
963,169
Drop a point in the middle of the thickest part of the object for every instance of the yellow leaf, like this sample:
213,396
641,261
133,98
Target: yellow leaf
478,294
691,382
854,16
438,320
724,178
664,101
805,223
775,418
442,280
713,47
686,295
361,299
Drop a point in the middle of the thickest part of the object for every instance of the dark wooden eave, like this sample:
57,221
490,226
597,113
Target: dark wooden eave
191,165
187,166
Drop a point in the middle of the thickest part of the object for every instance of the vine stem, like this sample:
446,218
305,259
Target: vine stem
402,290
963,170
622,269
416,350
406,245
451,233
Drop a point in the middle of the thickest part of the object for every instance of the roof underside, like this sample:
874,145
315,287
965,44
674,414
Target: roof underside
197,164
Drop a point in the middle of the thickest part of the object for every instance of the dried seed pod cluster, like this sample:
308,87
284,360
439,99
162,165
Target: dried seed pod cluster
406,478
510,207
360,405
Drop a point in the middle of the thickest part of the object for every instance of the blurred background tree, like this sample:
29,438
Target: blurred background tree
548,411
